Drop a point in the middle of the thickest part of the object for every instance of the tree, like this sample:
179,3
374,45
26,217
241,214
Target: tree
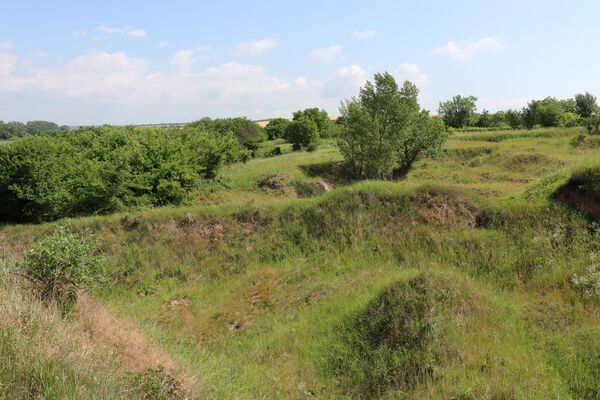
276,128
303,133
549,112
585,104
385,126
484,120
513,117
529,114
458,111
319,117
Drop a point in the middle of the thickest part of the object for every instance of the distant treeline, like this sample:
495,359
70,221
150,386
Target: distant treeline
461,113
15,129
104,169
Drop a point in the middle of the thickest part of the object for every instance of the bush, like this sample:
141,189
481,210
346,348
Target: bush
276,128
156,384
303,133
101,170
58,264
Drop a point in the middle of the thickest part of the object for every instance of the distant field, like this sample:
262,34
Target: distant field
464,279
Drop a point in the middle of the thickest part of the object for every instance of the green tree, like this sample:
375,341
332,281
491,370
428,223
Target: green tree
276,128
484,119
385,126
585,104
549,112
529,114
513,118
319,117
303,133
458,112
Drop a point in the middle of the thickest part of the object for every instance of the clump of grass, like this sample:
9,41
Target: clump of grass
384,345
155,384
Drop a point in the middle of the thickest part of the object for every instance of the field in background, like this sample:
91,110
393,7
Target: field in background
286,280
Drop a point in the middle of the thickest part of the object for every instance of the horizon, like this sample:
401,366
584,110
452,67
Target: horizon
121,63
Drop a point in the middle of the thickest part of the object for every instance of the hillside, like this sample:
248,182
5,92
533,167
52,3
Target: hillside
473,276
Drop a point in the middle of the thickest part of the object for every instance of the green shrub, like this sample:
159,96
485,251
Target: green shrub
58,264
156,384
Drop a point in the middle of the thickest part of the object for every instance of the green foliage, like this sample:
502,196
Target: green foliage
155,384
317,116
59,263
276,128
484,120
569,119
458,111
513,117
385,127
249,133
303,133
17,129
585,104
549,112
383,346
99,170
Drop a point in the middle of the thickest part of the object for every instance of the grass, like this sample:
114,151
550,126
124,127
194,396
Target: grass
459,281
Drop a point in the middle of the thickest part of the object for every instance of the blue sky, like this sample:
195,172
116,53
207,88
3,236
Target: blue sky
122,62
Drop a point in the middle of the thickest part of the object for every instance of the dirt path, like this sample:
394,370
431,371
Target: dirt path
138,352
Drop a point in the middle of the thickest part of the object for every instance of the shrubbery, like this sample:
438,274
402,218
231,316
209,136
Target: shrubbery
100,170
58,264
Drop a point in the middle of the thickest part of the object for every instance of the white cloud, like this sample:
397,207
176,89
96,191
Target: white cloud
126,31
183,59
503,103
255,47
345,82
163,43
367,34
410,72
101,87
5,45
202,48
466,50
327,55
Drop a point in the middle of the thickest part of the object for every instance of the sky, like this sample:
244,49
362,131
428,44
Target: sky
137,62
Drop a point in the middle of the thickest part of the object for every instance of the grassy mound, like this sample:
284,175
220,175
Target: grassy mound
384,345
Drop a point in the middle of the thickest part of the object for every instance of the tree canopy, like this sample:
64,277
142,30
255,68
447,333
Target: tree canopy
385,127
458,112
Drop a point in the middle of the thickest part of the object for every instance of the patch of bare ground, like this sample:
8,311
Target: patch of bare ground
449,210
581,192
138,352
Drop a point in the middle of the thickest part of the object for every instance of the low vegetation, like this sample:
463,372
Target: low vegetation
473,274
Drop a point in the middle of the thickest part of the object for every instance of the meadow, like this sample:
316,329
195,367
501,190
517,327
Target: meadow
466,278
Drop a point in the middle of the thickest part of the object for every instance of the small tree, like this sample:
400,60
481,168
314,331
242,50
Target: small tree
484,120
458,112
303,133
58,264
585,104
513,117
317,116
385,126
276,128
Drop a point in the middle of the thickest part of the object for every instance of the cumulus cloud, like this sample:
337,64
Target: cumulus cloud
5,45
163,43
503,103
126,31
101,87
466,50
255,47
345,82
410,72
326,55
183,59
367,34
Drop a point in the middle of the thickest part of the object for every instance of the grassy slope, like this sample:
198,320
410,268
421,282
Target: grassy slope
260,295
